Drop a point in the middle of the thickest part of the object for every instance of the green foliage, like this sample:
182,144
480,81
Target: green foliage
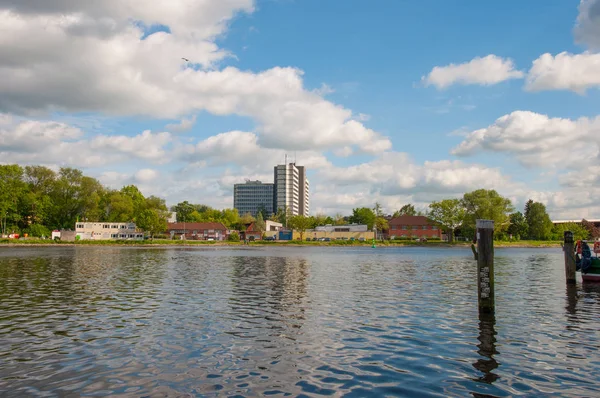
406,210
448,214
381,224
259,224
486,205
38,231
363,215
538,221
300,223
579,231
518,226
233,237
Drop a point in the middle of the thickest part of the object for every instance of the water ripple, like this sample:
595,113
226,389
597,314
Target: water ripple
184,322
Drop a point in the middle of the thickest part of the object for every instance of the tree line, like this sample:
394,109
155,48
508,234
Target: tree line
36,200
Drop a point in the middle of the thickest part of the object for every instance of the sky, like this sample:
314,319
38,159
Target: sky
386,101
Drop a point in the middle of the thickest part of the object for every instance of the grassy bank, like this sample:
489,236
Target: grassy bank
165,242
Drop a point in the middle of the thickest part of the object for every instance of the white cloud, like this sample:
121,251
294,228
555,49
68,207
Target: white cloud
242,149
587,29
71,57
146,175
575,72
50,142
537,140
185,125
485,71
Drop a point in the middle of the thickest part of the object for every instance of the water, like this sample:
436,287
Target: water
133,322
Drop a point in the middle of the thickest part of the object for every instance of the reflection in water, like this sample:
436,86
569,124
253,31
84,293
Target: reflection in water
134,322
487,348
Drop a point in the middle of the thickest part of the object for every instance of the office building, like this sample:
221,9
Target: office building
292,189
254,196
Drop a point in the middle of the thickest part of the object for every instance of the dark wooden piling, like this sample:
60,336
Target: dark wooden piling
569,249
485,266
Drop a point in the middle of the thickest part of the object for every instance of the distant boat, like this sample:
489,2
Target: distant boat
586,262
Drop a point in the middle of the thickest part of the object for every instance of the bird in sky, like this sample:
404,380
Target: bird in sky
185,59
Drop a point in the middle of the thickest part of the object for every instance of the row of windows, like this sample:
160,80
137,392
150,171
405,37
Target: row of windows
423,227
109,226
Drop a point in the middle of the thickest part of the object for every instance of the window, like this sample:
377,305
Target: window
132,235
115,226
123,226
123,236
434,227
394,227
132,227
106,226
114,236
79,225
404,227
424,227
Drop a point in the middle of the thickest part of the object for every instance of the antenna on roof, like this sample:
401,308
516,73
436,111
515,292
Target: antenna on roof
294,158
285,162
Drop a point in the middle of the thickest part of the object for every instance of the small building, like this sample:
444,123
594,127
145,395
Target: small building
251,233
272,228
106,231
197,230
342,228
349,231
413,227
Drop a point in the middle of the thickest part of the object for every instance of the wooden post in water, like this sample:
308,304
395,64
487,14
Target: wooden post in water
485,266
569,250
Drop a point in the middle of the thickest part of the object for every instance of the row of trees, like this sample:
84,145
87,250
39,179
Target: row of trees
36,200
534,223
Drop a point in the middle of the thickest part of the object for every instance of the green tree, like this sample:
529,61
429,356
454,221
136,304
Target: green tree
183,211
233,237
538,222
259,224
152,222
449,214
406,210
230,217
245,220
12,187
518,226
487,205
579,231
120,207
381,224
363,215
299,223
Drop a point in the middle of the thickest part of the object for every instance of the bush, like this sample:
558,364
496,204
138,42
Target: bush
37,230
233,237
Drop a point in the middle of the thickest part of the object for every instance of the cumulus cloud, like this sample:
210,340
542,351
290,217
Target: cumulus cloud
50,142
537,140
242,149
185,125
575,72
86,57
486,71
587,29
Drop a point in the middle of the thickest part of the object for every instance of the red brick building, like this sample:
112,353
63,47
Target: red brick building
251,233
197,230
413,227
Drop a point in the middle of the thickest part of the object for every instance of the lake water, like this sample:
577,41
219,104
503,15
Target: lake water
133,322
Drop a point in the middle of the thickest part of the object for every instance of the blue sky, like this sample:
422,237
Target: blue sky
348,86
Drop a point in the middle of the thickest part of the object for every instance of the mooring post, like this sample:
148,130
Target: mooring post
568,248
485,266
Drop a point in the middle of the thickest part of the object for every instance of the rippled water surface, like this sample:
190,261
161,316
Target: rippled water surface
133,322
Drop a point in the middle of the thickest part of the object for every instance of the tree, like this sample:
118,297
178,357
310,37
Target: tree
183,211
377,210
381,224
230,217
300,223
246,219
259,224
487,205
363,215
406,210
152,222
448,214
233,237
518,226
579,231
120,207
12,188
538,222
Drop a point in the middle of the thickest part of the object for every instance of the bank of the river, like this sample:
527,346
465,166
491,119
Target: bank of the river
165,242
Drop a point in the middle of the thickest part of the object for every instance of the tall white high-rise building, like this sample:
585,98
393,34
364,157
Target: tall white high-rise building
292,189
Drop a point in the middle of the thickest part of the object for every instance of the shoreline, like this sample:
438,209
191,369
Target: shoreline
497,244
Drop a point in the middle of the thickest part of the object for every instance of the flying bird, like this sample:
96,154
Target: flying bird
185,59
